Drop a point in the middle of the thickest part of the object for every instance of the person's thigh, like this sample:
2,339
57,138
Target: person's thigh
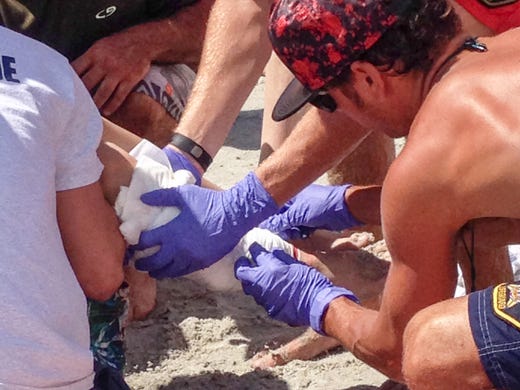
439,350
277,77
154,108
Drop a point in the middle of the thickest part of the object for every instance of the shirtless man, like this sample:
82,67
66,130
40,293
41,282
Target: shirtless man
454,98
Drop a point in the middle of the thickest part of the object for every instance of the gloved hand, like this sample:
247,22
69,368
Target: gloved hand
289,290
315,207
209,226
179,161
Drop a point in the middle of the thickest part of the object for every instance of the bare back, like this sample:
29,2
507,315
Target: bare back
467,133
461,162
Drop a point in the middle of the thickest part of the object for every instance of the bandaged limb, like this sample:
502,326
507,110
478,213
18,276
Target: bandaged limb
152,171
132,167
119,167
220,275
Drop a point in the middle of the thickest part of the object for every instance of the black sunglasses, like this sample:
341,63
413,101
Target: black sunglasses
324,101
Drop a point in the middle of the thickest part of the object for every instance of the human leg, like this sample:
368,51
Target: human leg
137,296
120,168
277,77
439,349
154,108
495,324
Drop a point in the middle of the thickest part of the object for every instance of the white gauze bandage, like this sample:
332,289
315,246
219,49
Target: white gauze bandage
221,275
152,172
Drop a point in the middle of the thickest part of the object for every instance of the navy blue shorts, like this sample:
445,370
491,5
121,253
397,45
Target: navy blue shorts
494,316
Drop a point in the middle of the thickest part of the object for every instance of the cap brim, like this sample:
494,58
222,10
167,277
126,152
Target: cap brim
294,97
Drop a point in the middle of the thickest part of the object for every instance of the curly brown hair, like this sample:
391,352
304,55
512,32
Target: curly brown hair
414,41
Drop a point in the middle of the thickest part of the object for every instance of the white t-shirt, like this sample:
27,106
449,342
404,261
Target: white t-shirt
49,132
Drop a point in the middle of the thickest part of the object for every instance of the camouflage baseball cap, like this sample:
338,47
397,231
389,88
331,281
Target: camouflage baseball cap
318,39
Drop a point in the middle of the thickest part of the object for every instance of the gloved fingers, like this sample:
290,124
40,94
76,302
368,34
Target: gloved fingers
164,197
179,161
149,238
287,205
284,257
277,223
173,269
294,218
155,261
268,224
260,255
244,270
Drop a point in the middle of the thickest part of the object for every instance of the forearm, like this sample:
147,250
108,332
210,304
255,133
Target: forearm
91,238
177,38
184,34
119,136
319,141
356,328
235,52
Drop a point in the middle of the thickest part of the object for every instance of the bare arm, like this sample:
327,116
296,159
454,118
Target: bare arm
319,141
235,52
112,66
179,39
91,237
420,230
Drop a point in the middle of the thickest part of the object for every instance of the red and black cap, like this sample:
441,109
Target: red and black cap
318,39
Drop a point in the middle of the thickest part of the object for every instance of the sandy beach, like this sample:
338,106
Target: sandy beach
198,339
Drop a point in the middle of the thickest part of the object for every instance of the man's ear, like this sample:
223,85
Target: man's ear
368,81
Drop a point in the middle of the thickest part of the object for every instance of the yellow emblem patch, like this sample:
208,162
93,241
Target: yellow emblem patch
506,300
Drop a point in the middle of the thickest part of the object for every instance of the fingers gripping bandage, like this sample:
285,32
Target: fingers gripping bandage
152,172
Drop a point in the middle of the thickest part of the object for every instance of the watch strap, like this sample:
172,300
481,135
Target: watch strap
193,149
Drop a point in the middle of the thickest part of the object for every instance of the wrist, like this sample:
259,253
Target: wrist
347,218
321,303
188,157
253,201
195,152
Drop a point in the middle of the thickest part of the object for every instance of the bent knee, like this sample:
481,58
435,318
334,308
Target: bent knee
438,346
418,339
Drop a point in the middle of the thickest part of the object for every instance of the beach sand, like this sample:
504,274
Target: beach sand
197,339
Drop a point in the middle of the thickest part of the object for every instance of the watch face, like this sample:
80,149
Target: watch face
196,151
496,3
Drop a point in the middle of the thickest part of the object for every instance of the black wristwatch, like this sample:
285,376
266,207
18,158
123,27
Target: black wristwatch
193,149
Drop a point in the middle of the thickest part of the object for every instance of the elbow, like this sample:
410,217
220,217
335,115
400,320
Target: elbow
103,288
107,277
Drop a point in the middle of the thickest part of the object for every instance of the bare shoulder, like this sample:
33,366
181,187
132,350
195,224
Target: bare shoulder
463,147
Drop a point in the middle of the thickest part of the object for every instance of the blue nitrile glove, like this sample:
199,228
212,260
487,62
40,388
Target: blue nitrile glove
179,161
290,291
209,226
315,207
